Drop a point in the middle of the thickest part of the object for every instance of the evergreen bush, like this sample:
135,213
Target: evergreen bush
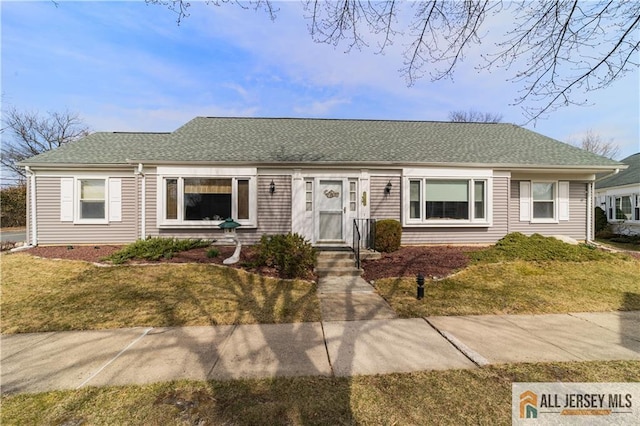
290,254
154,249
13,205
388,235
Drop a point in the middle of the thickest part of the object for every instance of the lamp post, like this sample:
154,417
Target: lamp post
229,228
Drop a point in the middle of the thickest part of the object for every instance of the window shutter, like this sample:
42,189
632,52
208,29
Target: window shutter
525,201
563,200
115,200
66,199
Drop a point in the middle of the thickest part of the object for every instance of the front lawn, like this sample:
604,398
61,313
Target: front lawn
524,275
53,295
455,397
520,287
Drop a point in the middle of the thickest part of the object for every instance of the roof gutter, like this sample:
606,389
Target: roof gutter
615,172
365,164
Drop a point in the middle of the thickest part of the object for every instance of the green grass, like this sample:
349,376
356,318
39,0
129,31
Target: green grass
631,244
453,397
47,295
520,287
524,275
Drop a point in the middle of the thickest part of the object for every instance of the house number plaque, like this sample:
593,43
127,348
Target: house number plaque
331,193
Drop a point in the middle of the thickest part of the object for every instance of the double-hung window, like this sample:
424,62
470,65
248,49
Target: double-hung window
203,200
622,208
447,200
543,197
92,198
544,201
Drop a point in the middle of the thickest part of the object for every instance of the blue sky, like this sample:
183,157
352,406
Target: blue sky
127,66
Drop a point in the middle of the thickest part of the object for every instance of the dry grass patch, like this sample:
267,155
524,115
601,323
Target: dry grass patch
455,397
521,287
49,295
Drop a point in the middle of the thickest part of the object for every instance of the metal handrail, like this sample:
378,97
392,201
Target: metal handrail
356,242
364,235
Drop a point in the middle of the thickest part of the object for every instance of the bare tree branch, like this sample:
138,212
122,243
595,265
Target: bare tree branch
29,134
593,142
473,116
559,50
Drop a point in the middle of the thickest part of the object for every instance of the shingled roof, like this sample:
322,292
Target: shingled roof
328,141
629,176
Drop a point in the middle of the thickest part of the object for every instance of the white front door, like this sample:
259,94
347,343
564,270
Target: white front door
331,211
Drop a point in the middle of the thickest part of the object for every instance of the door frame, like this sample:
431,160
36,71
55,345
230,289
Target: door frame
316,214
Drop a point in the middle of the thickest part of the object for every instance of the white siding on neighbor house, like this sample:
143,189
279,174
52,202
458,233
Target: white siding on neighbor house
383,206
52,231
575,227
460,235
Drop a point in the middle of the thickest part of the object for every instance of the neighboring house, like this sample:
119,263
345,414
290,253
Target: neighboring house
619,196
445,182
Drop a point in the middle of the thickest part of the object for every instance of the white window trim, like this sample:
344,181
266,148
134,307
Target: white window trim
561,201
163,222
70,200
611,203
554,219
487,221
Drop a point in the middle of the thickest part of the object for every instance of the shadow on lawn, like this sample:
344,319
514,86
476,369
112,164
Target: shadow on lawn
630,323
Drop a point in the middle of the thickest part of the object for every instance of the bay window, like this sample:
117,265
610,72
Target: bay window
205,200
447,200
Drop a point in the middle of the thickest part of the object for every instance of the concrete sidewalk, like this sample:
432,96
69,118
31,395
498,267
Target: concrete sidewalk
71,360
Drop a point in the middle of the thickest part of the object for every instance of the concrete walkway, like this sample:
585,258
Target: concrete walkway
72,360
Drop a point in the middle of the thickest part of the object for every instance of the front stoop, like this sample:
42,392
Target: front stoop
337,264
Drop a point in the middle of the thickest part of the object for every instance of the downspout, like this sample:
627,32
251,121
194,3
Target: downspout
590,224
143,202
32,205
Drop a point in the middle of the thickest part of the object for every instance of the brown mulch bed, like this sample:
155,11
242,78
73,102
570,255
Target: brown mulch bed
436,261
96,254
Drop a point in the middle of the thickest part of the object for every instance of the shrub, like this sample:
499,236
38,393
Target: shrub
154,249
388,235
600,218
213,252
13,206
290,254
537,248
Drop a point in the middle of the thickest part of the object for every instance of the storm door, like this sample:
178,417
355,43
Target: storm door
331,210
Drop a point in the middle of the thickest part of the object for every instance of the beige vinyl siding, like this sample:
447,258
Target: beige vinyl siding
274,210
468,235
274,213
385,206
575,227
52,231
151,214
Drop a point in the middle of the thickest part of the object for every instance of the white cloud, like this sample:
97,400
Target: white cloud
320,108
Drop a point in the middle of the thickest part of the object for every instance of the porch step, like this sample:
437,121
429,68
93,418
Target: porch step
337,264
